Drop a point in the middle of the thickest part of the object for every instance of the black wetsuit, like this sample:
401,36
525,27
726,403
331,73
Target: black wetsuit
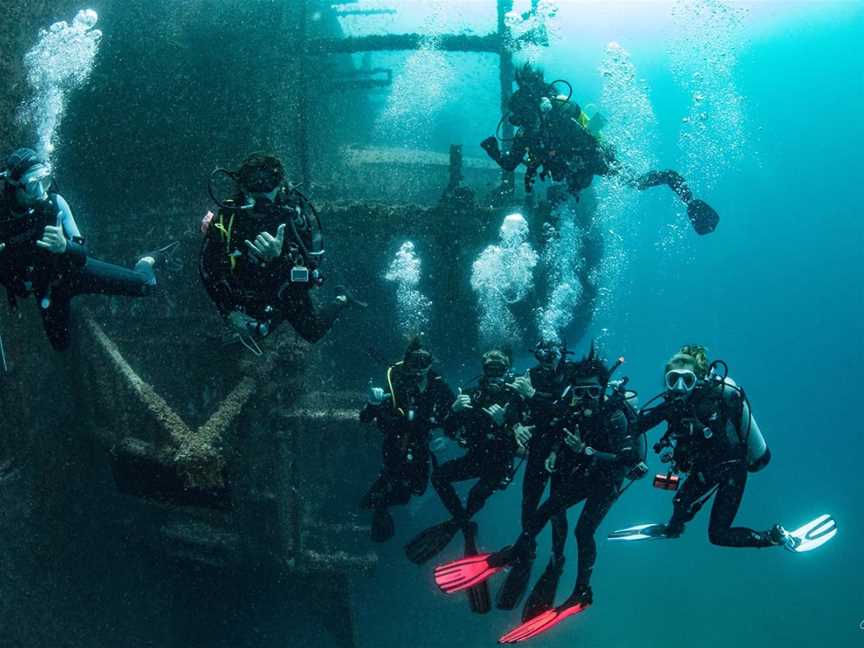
237,281
541,410
597,478
54,279
707,432
405,420
491,451
560,147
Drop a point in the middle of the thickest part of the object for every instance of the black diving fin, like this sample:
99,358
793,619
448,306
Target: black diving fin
542,597
514,587
429,543
702,216
479,599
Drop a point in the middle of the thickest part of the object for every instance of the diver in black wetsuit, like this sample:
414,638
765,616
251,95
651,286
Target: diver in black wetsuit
595,451
541,388
715,440
591,452
556,139
261,254
481,420
43,254
418,401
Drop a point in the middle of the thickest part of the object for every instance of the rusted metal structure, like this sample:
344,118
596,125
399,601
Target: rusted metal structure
228,467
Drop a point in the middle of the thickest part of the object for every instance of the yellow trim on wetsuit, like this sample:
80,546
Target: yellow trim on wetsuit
226,234
393,391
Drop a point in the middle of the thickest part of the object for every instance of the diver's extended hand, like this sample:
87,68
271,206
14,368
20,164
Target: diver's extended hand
522,386
375,395
246,325
574,440
53,239
462,402
267,247
550,462
523,434
496,413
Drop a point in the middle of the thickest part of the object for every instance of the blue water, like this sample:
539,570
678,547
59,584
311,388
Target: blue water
776,291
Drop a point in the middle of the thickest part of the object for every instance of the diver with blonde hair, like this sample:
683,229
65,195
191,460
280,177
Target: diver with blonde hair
713,438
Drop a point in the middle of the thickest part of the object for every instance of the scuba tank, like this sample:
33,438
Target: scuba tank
747,429
758,453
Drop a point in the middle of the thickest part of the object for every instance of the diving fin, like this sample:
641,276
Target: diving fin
465,573
383,526
478,596
578,602
514,587
542,597
431,542
640,532
596,124
702,216
811,536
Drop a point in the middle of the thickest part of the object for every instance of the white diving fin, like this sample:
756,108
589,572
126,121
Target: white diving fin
812,535
640,532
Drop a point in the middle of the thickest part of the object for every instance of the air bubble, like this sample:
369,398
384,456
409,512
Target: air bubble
412,306
59,63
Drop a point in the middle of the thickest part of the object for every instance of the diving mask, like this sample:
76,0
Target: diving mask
495,366
261,174
547,355
33,185
417,363
681,381
591,391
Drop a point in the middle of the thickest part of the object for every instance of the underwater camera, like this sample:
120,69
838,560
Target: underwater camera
666,482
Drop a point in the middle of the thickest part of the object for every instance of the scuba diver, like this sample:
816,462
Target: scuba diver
557,139
418,401
261,254
541,389
42,252
481,420
712,436
596,450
